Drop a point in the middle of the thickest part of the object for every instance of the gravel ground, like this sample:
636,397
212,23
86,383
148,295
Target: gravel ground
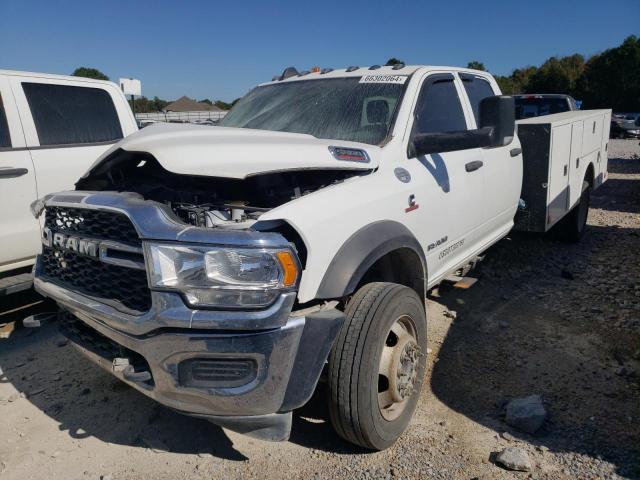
561,321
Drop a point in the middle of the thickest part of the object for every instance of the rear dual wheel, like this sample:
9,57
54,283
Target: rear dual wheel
572,227
377,364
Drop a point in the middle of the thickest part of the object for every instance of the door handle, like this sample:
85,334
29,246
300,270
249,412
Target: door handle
514,152
12,172
472,166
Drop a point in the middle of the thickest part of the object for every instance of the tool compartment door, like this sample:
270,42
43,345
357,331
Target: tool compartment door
576,164
592,138
558,187
601,174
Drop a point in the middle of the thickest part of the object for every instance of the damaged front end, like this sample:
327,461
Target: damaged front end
209,201
168,275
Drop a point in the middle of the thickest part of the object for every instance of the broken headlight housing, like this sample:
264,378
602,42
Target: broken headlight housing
222,277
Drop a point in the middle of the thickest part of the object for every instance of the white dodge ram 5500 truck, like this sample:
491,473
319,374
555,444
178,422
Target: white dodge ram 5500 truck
219,270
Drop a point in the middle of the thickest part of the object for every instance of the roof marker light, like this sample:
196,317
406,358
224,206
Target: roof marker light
288,72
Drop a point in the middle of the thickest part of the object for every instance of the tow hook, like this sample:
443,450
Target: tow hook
122,365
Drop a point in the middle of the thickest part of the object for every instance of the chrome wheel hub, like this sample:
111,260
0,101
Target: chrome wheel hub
399,368
406,371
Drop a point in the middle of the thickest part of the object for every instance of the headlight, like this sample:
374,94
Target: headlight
222,277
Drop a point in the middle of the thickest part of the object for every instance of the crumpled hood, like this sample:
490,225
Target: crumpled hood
238,152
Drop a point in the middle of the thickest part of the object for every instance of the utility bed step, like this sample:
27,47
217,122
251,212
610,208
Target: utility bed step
16,283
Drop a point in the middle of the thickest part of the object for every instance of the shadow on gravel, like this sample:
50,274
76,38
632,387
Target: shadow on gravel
87,401
312,427
540,322
621,165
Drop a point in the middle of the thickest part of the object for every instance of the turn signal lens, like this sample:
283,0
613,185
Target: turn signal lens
289,268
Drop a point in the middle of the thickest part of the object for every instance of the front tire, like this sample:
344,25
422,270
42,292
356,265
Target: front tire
377,364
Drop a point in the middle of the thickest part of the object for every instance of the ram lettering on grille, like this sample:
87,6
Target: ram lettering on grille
68,242
71,256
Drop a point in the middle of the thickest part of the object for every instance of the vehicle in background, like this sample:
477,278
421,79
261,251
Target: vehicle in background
146,123
52,128
210,122
537,105
625,125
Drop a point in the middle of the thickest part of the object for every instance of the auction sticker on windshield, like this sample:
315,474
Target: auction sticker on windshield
383,79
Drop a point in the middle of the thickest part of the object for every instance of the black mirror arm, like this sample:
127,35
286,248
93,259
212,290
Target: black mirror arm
426,143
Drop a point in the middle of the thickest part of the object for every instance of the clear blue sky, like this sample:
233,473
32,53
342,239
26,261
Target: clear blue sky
220,49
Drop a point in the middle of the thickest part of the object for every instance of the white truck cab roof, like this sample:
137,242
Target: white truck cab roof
375,70
51,76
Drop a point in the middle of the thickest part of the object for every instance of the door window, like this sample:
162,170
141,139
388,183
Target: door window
5,140
65,114
439,108
477,90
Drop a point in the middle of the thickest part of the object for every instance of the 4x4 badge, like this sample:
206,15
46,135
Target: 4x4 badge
412,204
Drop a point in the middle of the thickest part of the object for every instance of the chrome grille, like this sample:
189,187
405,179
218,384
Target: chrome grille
89,223
115,284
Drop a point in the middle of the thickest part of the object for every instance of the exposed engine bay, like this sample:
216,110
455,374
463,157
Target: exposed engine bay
208,201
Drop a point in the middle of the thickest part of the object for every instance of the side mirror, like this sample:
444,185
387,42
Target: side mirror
496,129
499,114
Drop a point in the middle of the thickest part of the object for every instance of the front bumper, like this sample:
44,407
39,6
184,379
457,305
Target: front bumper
288,359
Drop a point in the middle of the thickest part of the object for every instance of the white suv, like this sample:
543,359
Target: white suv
51,129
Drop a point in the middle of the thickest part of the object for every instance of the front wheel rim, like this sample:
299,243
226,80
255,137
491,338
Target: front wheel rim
398,371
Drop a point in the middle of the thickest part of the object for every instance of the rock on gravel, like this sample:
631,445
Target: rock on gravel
514,458
526,414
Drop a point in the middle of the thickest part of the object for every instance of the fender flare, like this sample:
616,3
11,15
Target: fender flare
361,251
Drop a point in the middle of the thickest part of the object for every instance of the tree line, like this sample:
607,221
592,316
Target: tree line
610,79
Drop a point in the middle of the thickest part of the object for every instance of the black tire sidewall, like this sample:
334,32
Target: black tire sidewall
398,302
573,226
585,203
